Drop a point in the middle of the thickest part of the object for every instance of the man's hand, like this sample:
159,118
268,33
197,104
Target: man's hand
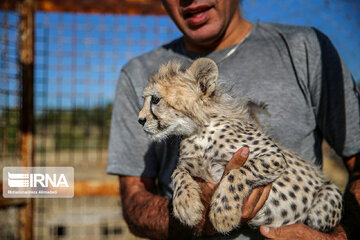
301,231
251,205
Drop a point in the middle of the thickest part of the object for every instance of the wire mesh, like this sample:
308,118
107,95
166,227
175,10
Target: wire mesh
78,58
9,90
9,113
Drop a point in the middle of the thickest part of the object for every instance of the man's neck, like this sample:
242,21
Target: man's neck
235,33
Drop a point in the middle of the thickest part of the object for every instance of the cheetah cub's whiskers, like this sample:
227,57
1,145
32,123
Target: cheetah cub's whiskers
213,126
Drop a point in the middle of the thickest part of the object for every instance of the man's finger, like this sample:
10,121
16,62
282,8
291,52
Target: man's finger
277,233
254,202
207,189
249,203
295,231
237,160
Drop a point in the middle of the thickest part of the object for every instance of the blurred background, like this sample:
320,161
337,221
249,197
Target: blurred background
59,64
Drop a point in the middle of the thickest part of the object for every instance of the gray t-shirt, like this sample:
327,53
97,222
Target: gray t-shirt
296,71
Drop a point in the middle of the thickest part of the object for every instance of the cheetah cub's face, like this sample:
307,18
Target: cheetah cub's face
174,99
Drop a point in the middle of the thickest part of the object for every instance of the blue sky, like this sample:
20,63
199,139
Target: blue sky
79,56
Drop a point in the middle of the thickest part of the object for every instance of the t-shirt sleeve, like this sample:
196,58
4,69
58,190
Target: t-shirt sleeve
336,99
130,151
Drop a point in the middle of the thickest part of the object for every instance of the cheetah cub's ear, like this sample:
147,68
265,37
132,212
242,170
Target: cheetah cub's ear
205,72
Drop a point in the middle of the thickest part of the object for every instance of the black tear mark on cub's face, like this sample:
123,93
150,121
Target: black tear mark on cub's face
154,101
161,127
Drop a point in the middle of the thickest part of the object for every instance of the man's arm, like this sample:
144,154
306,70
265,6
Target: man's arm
353,165
352,197
146,213
348,228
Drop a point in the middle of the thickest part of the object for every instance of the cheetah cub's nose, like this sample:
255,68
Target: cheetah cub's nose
142,121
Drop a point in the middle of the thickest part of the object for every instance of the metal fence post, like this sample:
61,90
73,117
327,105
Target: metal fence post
27,124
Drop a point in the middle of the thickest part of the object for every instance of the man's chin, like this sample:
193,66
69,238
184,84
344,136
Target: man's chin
201,38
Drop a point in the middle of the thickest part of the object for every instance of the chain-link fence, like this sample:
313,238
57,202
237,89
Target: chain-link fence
10,105
78,60
78,57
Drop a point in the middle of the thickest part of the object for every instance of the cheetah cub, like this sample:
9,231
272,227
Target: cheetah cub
213,126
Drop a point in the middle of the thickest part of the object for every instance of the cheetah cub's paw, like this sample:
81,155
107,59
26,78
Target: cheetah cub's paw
187,206
225,211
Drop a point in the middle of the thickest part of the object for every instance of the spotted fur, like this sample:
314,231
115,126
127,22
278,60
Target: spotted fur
213,126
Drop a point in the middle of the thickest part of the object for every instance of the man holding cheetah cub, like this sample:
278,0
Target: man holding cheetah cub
310,95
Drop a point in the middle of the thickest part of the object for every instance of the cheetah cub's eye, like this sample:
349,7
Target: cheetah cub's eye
155,100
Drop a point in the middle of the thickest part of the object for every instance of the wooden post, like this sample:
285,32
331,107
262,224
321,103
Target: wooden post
94,6
27,123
